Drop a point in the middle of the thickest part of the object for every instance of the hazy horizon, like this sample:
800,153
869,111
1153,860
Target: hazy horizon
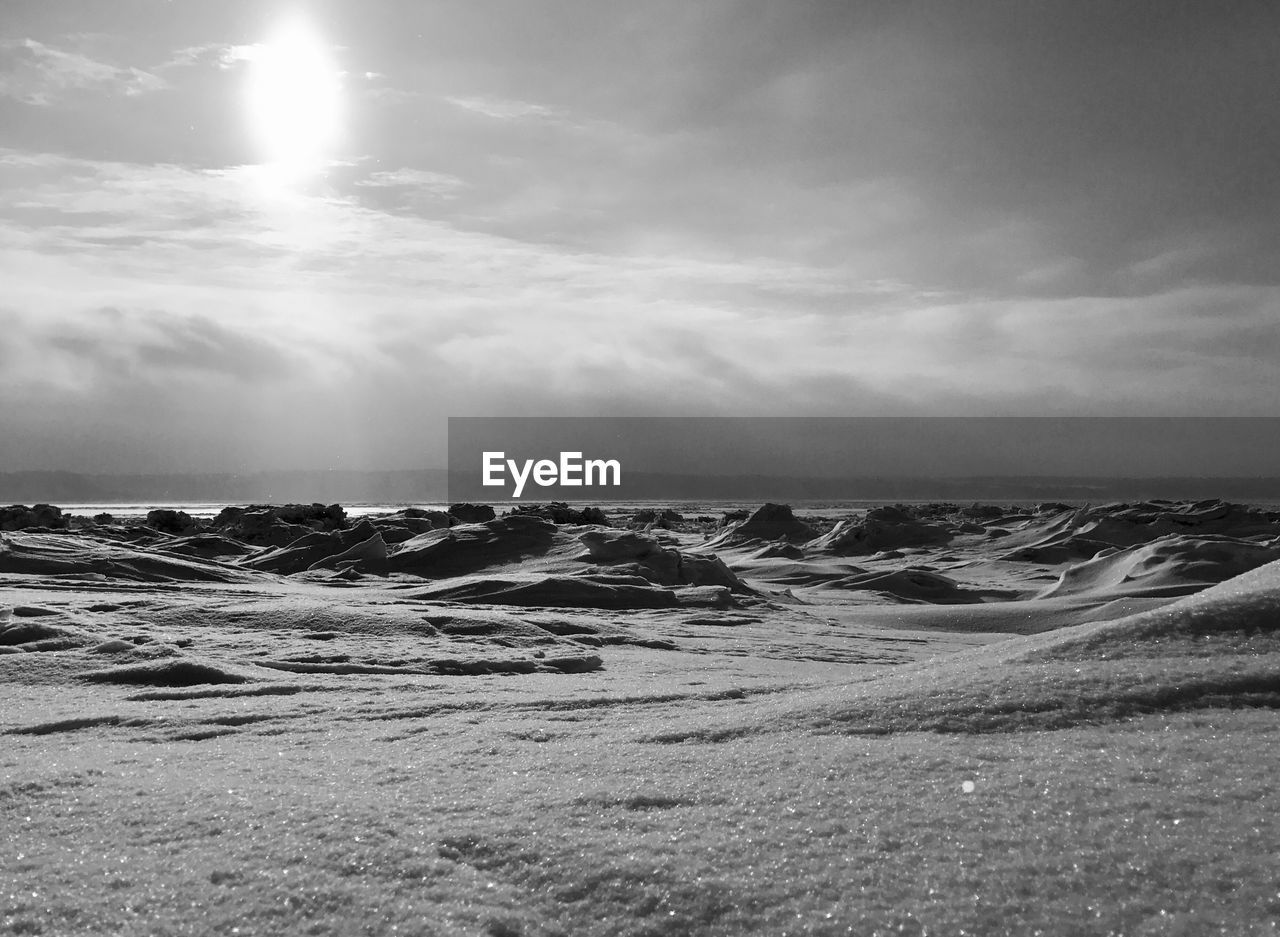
435,486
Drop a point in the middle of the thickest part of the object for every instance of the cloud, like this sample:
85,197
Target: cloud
168,346
41,75
504,109
955,147
438,184
426,310
224,55
93,351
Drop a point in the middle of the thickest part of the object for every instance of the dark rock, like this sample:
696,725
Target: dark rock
593,515
769,522
890,527
697,569
317,516
982,512
470,547
366,556
21,517
228,516
558,512
170,522
1080,533
85,556
472,513
644,556
388,523
263,529
616,546
392,534
278,525
416,520
306,551
650,518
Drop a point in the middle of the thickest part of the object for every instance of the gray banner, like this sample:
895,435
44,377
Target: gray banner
642,458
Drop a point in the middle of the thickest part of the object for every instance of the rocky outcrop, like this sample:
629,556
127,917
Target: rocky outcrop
57,554
619,546
890,527
171,522
1078,533
412,521
21,517
467,513
638,554
558,512
366,556
1170,566
208,546
698,569
277,525
470,547
651,518
311,549
768,522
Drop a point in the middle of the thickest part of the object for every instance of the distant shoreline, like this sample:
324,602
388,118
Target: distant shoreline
430,487
208,509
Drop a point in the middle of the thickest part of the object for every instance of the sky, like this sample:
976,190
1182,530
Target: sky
252,235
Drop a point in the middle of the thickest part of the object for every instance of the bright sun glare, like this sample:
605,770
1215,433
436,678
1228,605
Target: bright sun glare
294,99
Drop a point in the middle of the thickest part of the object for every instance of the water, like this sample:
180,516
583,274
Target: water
211,508
207,509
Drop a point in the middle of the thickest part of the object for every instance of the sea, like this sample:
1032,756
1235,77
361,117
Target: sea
208,509
211,508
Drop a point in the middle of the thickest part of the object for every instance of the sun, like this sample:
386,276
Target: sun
294,101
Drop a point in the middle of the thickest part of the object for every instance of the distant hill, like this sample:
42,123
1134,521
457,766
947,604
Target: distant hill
426,485
992,488
431,486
